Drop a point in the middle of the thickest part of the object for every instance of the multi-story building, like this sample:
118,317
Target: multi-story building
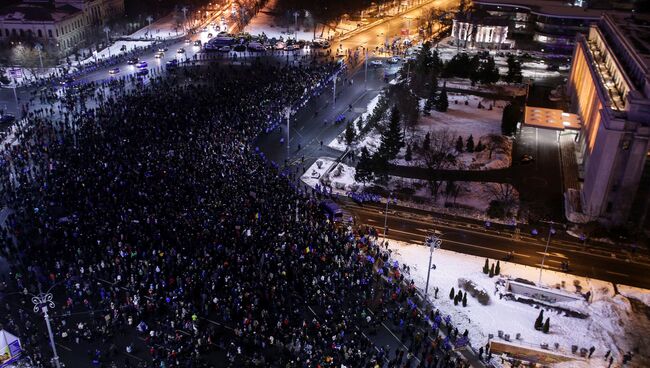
62,25
479,30
609,88
543,24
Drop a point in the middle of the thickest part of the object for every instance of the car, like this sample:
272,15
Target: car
224,48
142,72
376,63
256,46
114,71
239,48
209,35
188,41
180,51
280,46
341,53
159,55
141,65
325,44
197,43
67,82
7,118
171,64
293,47
162,49
394,60
132,61
526,159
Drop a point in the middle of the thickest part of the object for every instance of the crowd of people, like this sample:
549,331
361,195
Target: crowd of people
158,226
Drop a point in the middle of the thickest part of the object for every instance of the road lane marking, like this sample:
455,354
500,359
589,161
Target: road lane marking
64,347
454,242
618,273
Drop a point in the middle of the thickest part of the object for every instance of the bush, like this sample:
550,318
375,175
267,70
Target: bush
452,293
498,209
475,291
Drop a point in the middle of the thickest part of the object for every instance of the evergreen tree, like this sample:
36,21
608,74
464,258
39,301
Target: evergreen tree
360,124
470,144
486,267
456,300
392,139
497,270
426,143
409,155
488,72
429,103
350,134
539,320
442,103
479,147
465,299
364,168
547,325
510,118
379,164
452,293
491,274
514,70
459,144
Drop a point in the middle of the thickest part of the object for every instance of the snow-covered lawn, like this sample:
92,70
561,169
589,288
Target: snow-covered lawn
463,118
162,29
116,49
266,22
472,198
612,323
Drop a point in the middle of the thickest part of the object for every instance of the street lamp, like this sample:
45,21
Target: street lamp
39,48
334,79
42,302
390,196
108,42
184,10
433,242
295,19
551,232
288,111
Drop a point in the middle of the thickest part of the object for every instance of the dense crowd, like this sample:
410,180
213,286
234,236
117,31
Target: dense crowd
156,222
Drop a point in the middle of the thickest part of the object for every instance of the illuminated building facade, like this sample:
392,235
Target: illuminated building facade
609,88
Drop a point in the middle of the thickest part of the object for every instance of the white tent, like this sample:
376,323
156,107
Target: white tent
10,349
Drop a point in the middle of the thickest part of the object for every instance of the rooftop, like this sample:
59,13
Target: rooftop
549,8
33,12
637,31
540,117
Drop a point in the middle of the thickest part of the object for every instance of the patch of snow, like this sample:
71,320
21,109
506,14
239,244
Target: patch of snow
612,322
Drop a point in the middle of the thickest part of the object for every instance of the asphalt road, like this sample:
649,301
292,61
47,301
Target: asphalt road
592,262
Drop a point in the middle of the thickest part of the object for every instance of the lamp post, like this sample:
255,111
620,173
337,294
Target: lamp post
390,196
336,76
551,231
295,20
184,10
42,302
107,31
288,111
39,48
433,242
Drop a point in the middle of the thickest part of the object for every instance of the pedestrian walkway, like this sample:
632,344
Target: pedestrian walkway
569,162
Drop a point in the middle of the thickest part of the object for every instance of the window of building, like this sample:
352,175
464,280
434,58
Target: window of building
13,31
7,33
22,32
40,33
49,33
609,207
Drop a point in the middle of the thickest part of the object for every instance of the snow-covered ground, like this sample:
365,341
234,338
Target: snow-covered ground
266,22
162,29
116,49
614,322
463,118
472,198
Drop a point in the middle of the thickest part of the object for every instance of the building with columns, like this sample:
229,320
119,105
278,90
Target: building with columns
60,25
477,31
609,88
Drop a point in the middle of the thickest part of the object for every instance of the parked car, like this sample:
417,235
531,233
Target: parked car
280,46
256,46
526,159
114,71
7,118
224,49
293,47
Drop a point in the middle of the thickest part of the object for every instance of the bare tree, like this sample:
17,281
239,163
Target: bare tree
438,156
503,193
